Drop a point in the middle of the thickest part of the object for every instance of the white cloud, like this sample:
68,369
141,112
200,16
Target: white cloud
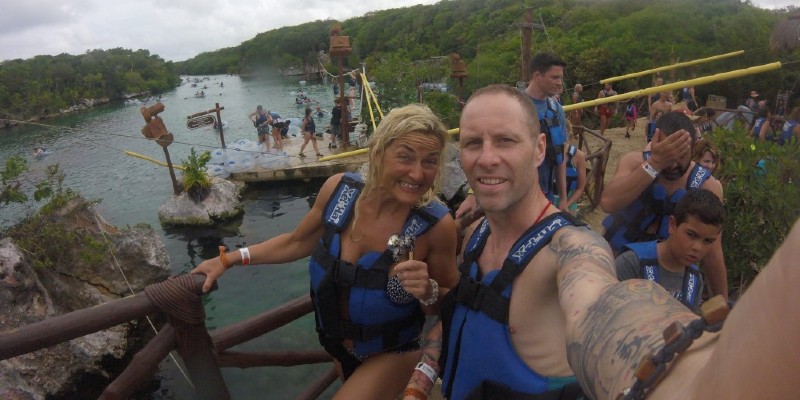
175,30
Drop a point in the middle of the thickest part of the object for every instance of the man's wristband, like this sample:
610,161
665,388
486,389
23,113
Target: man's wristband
649,170
428,371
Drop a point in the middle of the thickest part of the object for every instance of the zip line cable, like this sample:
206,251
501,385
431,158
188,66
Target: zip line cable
82,130
130,287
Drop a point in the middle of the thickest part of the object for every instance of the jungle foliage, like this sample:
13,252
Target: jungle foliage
762,200
44,85
598,39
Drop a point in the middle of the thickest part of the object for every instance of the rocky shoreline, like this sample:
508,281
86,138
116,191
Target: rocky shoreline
85,104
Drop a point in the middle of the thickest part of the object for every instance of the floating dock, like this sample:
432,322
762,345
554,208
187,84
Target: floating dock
295,167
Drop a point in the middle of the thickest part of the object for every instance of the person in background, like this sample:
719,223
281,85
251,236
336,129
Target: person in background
606,110
706,154
658,108
261,120
370,298
647,184
576,116
336,122
576,179
277,128
308,128
694,226
631,114
687,95
762,126
38,152
790,133
752,101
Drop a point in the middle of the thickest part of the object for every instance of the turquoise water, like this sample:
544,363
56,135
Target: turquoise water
89,148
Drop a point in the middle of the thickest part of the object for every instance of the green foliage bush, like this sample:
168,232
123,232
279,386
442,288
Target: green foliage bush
195,181
45,238
762,200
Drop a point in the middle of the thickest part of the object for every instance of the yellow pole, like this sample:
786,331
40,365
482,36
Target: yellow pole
677,85
374,98
343,155
153,160
673,66
369,101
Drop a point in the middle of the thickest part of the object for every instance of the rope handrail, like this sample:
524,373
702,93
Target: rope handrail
203,357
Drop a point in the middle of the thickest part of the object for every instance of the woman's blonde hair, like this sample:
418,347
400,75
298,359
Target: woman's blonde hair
400,121
701,147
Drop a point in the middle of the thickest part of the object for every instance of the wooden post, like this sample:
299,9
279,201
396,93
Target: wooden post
340,47
155,129
526,45
175,188
219,121
527,29
345,103
184,308
142,366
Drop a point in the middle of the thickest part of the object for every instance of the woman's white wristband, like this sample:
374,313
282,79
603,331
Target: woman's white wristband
245,252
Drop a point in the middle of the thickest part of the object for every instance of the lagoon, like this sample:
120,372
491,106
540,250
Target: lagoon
89,147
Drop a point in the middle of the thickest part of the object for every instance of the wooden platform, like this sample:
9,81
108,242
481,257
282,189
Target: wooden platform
303,168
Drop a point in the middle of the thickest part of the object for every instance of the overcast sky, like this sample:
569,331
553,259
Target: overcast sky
174,29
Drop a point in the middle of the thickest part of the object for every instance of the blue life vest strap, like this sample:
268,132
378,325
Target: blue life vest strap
690,289
488,298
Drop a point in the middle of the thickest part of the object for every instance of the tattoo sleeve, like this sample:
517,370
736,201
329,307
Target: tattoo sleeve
611,325
622,326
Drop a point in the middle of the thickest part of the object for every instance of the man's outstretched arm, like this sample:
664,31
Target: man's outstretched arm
610,325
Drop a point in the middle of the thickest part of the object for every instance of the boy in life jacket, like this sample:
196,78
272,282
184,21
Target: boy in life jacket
672,263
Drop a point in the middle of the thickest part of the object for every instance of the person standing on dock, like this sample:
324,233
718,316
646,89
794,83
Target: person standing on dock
261,120
309,129
370,297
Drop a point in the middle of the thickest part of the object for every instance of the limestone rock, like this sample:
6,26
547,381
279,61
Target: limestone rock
454,180
29,295
223,202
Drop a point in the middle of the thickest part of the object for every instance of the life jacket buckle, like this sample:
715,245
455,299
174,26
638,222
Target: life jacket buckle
344,273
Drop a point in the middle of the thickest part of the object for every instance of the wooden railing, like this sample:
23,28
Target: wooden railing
180,298
596,160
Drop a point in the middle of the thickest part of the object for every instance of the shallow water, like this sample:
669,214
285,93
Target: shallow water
89,146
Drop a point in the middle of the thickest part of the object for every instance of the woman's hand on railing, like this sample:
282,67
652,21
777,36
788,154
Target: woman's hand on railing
212,268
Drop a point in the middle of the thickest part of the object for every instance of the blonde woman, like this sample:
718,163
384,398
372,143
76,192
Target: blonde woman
370,298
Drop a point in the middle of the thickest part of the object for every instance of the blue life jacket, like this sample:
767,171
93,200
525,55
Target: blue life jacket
652,208
475,318
374,323
311,127
572,171
260,119
786,133
551,126
757,127
651,130
630,110
648,260
686,96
